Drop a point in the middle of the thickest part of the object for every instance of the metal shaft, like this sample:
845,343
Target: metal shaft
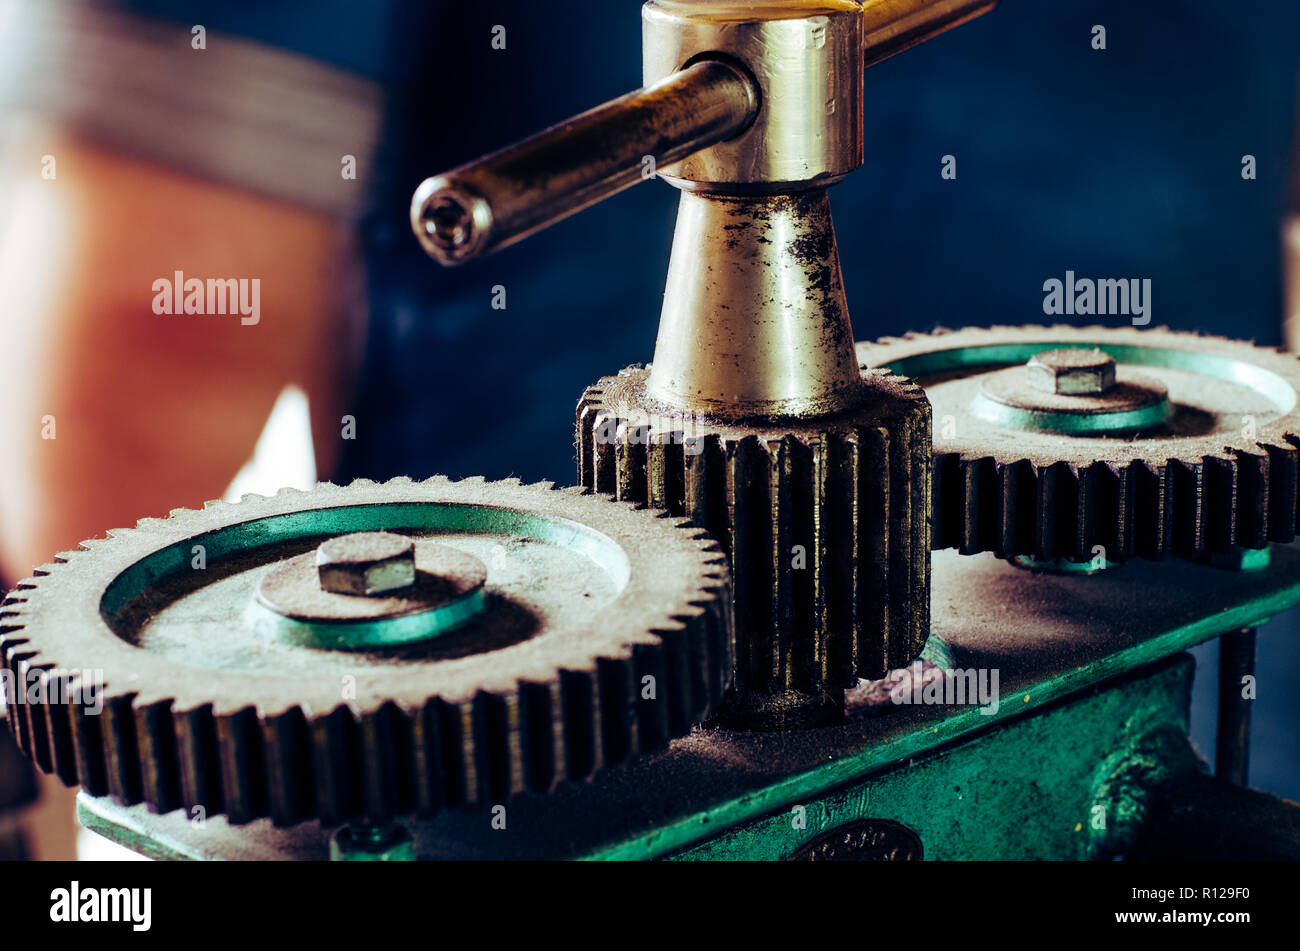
499,199
1232,749
892,26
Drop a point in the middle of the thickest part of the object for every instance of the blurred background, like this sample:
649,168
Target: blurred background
229,159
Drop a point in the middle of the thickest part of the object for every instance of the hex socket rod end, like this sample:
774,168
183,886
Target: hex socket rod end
499,199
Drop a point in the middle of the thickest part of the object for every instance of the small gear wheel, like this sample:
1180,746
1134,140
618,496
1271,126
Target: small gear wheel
276,657
825,521
1070,442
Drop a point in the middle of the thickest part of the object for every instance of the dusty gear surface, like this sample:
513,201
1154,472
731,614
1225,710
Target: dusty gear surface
1221,471
825,523
201,709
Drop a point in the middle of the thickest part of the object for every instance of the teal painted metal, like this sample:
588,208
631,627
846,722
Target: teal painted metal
1264,382
1268,384
1179,605
319,523
312,525
1071,423
100,817
811,786
1030,790
365,635
1065,565
390,843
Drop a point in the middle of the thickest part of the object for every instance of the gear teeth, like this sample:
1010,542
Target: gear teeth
335,744
290,791
1222,487
849,503
1185,483
440,759
149,756
281,761
541,745
197,748
1187,504
1283,493
1251,501
495,768
1063,511
583,740
387,737
33,728
88,742
121,757
58,725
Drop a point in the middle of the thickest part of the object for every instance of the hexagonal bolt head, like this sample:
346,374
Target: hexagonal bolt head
1072,372
366,563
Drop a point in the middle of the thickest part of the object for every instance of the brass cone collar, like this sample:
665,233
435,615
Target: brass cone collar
754,321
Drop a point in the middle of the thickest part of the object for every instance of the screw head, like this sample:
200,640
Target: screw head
366,563
1072,372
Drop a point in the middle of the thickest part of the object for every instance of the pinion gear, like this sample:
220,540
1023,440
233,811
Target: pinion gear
825,522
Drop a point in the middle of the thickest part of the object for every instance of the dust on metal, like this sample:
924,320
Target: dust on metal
1072,372
366,563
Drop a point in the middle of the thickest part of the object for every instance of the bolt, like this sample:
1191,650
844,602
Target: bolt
366,563
1072,372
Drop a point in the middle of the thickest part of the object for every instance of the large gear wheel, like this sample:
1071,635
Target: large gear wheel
825,522
1189,449
603,632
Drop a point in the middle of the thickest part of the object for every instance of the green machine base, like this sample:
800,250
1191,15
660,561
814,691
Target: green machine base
1084,753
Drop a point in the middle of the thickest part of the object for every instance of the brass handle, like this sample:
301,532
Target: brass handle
497,200
892,26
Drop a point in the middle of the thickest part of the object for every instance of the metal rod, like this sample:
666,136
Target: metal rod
892,26
1232,746
497,200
